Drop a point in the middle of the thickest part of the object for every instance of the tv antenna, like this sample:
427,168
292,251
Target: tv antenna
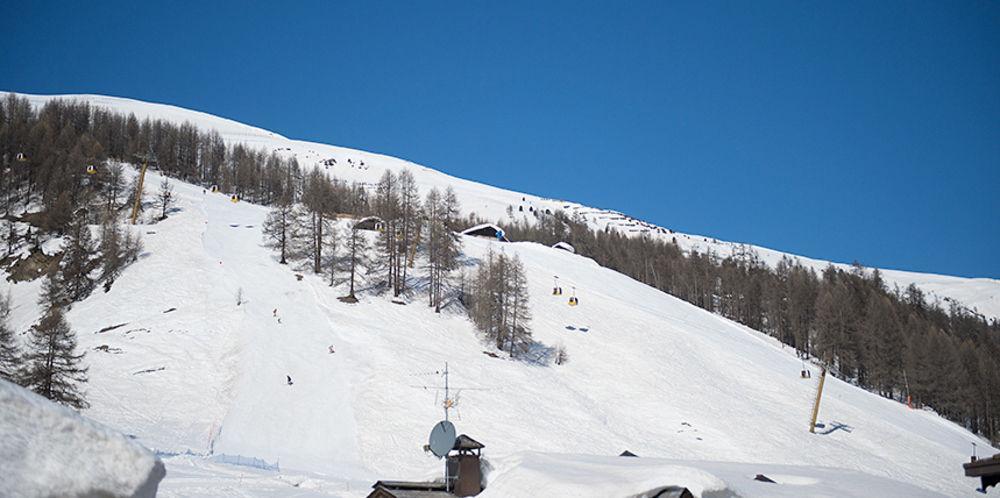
443,435
449,401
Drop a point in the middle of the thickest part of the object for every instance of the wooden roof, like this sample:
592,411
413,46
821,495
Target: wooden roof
406,489
983,466
412,486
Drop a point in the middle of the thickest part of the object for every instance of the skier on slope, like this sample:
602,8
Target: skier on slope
289,377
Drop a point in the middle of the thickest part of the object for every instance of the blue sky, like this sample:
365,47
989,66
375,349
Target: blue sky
864,131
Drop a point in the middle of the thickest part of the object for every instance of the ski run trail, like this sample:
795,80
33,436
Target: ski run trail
201,380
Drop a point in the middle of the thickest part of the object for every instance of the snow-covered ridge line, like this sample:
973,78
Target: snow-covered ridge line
978,294
142,110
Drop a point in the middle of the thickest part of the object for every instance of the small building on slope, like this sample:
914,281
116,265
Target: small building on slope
464,471
372,223
564,246
487,230
986,469
402,489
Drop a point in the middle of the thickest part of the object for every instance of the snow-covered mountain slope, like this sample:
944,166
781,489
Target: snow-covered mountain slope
176,363
980,294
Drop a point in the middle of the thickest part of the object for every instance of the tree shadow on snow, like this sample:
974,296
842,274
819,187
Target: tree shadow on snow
539,354
834,426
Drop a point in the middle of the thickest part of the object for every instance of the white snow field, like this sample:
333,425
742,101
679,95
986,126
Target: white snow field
538,474
202,380
980,294
204,385
49,450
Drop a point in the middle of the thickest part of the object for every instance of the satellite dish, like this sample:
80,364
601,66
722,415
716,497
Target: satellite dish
442,438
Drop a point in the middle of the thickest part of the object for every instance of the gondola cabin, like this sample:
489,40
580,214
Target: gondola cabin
234,198
214,189
91,169
20,157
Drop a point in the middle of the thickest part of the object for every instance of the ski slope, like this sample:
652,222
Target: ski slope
979,294
196,377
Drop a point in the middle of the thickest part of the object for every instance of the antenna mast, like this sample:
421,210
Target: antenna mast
447,398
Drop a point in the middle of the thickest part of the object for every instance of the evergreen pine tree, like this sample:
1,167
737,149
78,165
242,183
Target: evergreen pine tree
52,368
165,198
355,258
53,293
387,208
519,321
9,354
78,260
279,228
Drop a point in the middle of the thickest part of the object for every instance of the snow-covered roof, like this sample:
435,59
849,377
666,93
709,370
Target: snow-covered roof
523,474
564,246
368,223
486,230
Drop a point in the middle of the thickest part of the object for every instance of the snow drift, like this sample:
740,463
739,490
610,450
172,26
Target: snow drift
586,476
50,450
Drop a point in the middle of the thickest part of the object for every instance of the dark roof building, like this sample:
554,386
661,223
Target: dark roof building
402,489
487,230
373,223
465,476
564,246
986,469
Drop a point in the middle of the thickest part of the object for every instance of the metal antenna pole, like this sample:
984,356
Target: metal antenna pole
446,399
447,477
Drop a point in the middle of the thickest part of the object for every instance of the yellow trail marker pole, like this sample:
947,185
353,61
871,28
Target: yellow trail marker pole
819,395
138,192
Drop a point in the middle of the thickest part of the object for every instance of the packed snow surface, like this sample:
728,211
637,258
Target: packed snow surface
586,476
49,450
190,372
980,294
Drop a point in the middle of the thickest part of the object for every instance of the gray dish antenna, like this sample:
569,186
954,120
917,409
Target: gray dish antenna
442,438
